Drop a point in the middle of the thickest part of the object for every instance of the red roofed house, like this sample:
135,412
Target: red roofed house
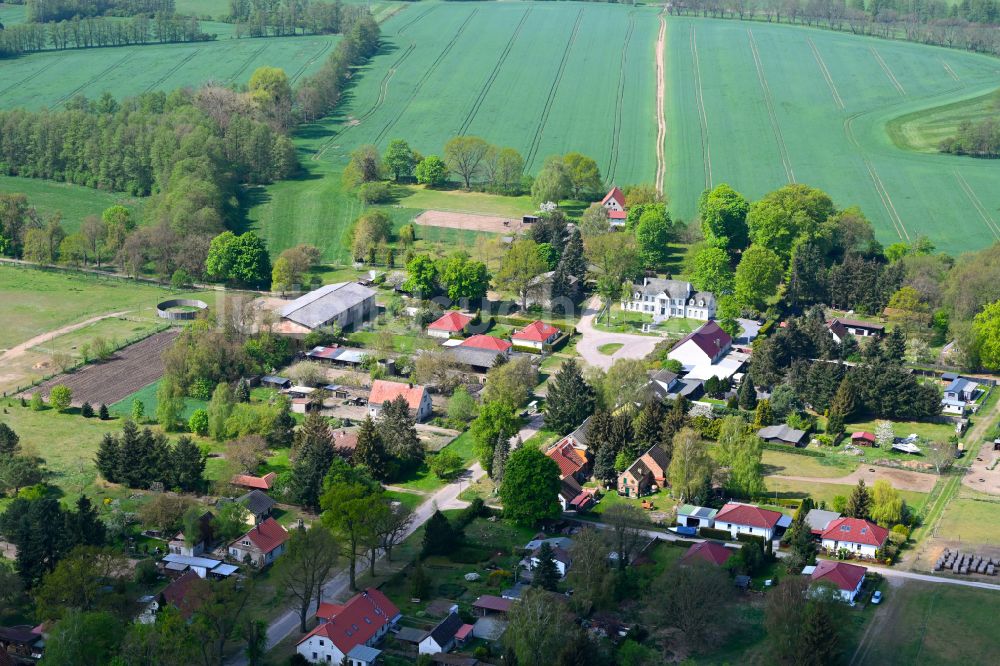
860,537
536,335
489,343
572,460
614,203
705,346
707,551
450,325
349,631
847,578
416,396
259,482
185,594
260,546
863,439
738,518
489,604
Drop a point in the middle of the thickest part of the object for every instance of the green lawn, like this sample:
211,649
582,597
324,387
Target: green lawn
147,396
790,464
72,202
927,624
924,130
417,196
825,492
610,348
970,521
815,105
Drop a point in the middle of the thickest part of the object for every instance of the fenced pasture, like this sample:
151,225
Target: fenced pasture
51,78
758,105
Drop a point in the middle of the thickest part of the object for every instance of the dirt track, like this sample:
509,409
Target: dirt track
661,123
18,350
470,221
128,371
899,478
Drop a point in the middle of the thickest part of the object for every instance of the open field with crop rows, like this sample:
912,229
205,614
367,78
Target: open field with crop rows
51,78
762,105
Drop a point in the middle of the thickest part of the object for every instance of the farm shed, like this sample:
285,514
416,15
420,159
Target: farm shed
345,304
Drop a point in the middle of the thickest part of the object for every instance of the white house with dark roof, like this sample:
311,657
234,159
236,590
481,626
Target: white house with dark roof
345,304
442,637
664,299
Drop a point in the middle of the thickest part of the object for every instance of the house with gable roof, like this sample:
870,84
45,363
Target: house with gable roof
846,578
614,203
489,343
262,545
708,352
442,638
449,325
840,328
648,470
574,467
416,396
536,335
350,630
344,304
707,551
737,518
860,537
664,299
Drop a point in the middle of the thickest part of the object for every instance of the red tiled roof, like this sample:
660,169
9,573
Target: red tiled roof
867,436
710,338
327,610
487,342
746,514
267,536
180,595
383,392
856,530
343,439
617,214
843,575
567,457
453,322
259,482
536,331
356,621
615,194
463,632
493,603
708,551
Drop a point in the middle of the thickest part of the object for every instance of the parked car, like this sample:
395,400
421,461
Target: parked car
877,597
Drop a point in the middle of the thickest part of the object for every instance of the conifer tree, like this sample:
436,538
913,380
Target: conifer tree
9,441
314,450
747,394
570,399
440,537
573,259
102,413
676,420
242,393
187,464
86,411
648,425
83,526
762,416
859,504
109,456
500,455
845,400
546,575
370,451
398,430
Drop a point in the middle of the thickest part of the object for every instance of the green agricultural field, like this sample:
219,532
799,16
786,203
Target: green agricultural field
760,105
514,73
925,129
147,396
11,14
73,202
971,521
40,80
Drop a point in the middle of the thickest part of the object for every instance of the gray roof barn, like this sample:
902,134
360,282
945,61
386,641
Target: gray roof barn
326,303
257,502
782,433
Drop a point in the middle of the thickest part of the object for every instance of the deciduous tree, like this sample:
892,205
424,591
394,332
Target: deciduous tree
309,557
530,487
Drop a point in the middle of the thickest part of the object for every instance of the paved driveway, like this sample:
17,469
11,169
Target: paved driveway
633,346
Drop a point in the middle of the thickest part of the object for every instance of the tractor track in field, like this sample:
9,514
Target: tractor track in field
427,73
769,103
699,97
246,63
950,71
477,104
991,224
888,72
826,74
383,92
883,194
619,105
172,70
317,56
553,89
94,79
406,26
661,94
29,77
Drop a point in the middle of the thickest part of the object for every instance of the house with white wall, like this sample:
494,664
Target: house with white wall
846,578
350,630
860,537
737,518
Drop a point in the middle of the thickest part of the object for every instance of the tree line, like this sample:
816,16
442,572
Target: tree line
968,25
269,18
46,11
976,138
161,28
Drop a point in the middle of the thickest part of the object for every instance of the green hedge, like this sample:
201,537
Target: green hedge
770,446
750,538
710,533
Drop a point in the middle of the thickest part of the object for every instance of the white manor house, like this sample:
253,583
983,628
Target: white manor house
671,298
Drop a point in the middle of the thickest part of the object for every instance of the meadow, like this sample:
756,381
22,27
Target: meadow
925,129
72,202
758,105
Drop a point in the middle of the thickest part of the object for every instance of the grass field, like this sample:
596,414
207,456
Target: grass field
813,109
925,129
36,302
925,624
73,202
147,396
40,80
825,492
971,521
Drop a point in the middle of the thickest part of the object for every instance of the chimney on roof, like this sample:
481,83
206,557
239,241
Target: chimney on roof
409,384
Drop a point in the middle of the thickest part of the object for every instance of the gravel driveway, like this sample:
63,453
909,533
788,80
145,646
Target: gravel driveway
633,346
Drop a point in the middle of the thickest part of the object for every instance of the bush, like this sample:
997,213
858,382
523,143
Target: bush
710,533
60,397
145,573
446,465
86,411
750,538
37,403
198,423
375,193
499,578
201,389
474,510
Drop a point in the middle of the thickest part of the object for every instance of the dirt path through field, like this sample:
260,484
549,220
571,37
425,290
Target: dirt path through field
899,478
20,349
980,477
661,122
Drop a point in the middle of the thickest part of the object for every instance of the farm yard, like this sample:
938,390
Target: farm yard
813,109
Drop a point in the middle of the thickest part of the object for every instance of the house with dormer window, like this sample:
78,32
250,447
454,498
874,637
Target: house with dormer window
665,299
